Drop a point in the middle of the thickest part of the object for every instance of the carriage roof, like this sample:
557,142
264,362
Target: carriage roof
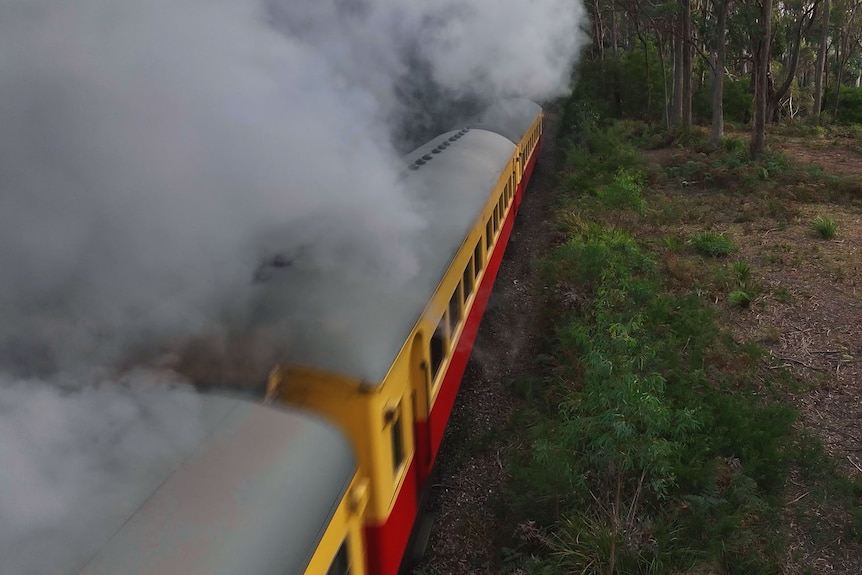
355,324
253,496
510,118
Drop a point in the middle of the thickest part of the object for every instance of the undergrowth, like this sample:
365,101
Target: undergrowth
656,444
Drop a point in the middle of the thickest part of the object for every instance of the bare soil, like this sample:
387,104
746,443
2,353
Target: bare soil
807,315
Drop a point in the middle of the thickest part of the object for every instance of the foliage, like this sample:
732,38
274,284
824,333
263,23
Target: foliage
652,442
849,104
597,155
633,446
825,227
622,87
712,244
737,101
739,298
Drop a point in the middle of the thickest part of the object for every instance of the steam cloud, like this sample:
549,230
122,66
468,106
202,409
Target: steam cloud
154,152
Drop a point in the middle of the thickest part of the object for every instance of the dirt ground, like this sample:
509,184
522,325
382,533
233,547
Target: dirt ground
807,315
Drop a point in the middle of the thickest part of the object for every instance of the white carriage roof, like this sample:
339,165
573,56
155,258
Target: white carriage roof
355,326
510,118
252,497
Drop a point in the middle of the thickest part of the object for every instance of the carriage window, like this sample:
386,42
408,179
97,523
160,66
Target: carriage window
489,235
396,429
477,257
468,280
341,563
438,348
455,308
496,220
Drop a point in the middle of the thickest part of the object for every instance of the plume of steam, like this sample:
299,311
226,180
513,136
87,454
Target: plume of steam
154,152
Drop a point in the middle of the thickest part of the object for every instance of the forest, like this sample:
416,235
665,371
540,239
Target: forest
726,61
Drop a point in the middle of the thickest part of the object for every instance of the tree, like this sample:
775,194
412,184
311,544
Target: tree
719,52
799,24
821,60
761,78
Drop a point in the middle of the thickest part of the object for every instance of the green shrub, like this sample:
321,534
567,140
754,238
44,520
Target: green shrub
742,271
825,227
739,298
624,192
849,104
712,244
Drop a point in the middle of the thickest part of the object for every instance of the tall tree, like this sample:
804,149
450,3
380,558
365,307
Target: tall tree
821,59
719,55
676,98
847,44
761,78
802,17
687,51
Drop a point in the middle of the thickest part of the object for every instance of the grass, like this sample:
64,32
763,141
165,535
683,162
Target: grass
739,298
712,244
649,427
824,227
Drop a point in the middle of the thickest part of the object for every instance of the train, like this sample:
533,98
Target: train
329,473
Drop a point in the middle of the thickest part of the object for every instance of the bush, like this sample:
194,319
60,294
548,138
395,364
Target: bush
712,244
825,227
622,87
738,101
849,104
739,298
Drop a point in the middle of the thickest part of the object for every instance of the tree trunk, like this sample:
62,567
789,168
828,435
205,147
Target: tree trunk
599,40
806,20
761,83
648,114
821,62
686,64
676,101
722,7
661,63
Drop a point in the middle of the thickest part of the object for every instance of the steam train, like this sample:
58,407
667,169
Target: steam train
332,480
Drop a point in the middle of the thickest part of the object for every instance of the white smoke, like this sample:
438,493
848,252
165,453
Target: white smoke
154,152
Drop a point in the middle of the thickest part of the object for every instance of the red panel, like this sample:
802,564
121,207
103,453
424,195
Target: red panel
436,425
458,362
529,169
387,542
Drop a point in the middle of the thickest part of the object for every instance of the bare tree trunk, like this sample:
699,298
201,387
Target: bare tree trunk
614,38
761,84
722,7
686,64
666,106
648,114
821,61
676,101
599,40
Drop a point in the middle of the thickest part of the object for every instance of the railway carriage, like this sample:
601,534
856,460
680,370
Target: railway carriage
384,360
334,482
264,491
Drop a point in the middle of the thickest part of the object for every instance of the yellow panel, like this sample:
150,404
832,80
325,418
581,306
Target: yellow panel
346,524
360,410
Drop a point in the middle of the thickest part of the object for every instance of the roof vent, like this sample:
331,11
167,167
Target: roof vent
427,157
419,162
414,166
